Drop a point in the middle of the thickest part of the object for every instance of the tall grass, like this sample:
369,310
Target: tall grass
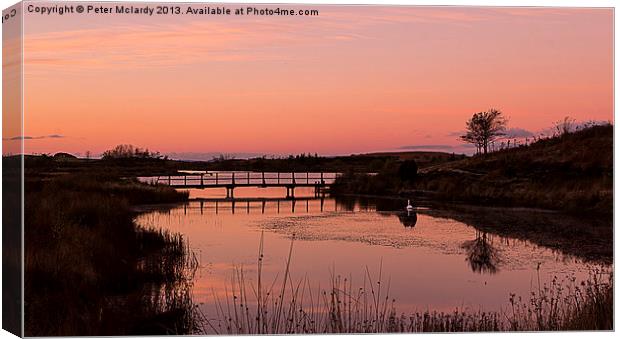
565,304
289,307
90,270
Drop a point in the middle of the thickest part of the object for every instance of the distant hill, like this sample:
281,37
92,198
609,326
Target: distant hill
422,158
572,172
63,155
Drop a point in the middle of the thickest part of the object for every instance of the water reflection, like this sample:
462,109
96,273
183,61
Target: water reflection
482,256
351,204
408,218
260,205
444,263
305,204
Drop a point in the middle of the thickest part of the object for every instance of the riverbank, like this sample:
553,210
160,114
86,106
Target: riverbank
572,173
90,270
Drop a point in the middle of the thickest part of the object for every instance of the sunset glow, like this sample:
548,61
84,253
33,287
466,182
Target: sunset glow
352,80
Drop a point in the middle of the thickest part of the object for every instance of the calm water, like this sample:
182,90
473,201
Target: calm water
430,261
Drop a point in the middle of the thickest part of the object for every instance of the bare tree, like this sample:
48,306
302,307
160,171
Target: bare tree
87,155
484,128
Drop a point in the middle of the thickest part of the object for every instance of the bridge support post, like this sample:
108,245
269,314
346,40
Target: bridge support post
290,192
229,192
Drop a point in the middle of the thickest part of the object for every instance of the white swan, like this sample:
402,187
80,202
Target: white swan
409,207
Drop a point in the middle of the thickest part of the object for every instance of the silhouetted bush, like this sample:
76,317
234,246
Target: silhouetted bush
129,151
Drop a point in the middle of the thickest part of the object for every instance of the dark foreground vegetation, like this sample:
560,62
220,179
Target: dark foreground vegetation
11,246
296,306
572,172
89,270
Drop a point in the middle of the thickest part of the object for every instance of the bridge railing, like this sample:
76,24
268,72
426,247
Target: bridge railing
245,178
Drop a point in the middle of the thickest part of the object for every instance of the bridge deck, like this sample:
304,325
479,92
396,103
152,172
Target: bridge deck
245,179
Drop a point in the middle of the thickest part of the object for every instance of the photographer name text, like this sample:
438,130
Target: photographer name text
148,10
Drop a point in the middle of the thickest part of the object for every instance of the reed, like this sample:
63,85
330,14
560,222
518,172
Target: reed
90,270
295,307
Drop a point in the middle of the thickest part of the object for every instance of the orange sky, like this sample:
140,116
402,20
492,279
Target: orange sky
353,79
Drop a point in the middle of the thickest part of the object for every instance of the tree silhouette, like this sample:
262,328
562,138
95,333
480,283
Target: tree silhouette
484,128
129,151
482,256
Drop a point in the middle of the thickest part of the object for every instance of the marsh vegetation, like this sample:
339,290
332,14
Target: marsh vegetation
90,270
289,306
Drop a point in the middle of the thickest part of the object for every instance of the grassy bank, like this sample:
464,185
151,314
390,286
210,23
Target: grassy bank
89,270
287,306
572,173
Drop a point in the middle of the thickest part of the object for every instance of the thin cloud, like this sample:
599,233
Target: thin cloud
27,137
194,42
427,147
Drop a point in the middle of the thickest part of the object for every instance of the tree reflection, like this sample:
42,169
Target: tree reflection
346,203
481,255
408,219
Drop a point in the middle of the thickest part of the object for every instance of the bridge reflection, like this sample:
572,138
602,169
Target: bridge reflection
247,205
309,204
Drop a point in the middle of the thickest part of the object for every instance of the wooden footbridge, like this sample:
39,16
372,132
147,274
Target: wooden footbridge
231,180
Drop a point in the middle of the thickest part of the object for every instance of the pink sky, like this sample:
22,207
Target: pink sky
352,80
